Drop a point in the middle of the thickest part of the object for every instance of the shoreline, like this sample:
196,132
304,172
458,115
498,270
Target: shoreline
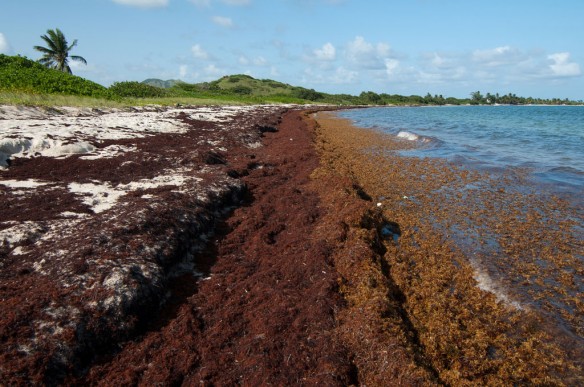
234,262
465,314
541,169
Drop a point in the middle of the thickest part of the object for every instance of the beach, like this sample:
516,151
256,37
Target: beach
260,245
489,271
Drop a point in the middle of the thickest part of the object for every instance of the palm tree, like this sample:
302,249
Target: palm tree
56,56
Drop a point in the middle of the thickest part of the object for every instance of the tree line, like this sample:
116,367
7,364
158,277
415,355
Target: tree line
512,99
476,98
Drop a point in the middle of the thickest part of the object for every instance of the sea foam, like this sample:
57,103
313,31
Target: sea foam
408,135
486,283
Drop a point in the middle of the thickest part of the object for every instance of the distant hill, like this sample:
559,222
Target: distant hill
160,83
246,85
241,84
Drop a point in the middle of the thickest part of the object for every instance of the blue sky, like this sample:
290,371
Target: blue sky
448,47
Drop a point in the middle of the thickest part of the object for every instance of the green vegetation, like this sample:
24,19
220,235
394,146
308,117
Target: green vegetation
137,90
511,99
23,81
56,55
19,74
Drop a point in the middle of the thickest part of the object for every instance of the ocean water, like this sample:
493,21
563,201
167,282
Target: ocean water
518,219
548,141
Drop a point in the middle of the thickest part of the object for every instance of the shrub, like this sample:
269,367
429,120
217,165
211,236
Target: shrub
136,90
237,77
19,73
242,90
308,94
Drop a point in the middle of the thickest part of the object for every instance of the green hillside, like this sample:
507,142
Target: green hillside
19,74
245,84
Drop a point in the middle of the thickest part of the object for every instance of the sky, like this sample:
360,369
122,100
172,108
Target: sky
445,47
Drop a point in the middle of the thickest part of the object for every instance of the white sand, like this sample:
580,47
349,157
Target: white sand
33,131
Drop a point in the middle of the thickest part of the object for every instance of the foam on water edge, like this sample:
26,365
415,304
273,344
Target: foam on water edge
408,135
488,284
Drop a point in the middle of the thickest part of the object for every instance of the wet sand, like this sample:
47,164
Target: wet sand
292,250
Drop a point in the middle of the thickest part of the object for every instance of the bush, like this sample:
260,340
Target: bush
274,84
191,88
307,94
137,90
18,73
236,78
242,90
370,98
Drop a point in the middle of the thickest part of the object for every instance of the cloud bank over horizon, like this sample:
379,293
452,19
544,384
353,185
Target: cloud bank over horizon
359,58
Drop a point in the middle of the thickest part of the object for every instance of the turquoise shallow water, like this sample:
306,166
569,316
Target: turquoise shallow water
547,140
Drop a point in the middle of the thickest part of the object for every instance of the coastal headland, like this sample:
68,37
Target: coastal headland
248,245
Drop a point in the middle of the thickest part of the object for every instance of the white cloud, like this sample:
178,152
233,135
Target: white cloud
326,53
498,56
201,3
391,66
447,77
490,54
207,3
243,60
4,46
367,55
257,61
260,61
438,61
223,21
507,64
443,67
441,60
343,75
143,3
313,3
213,70
237,2
561,66
78,66
183,71
199,52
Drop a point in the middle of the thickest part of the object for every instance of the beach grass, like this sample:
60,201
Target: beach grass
34,99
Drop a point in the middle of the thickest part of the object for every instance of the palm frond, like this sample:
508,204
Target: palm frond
44,50
52,44
72,45
47,61
79,59
56,53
